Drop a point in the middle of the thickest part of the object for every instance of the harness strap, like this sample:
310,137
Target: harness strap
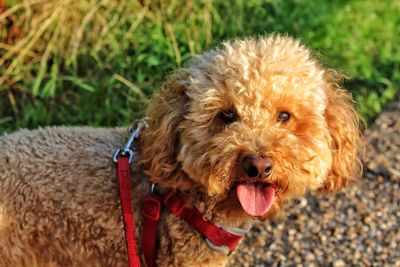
151,210
218,236
124,180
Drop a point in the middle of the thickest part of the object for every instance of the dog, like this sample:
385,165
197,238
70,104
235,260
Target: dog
239,132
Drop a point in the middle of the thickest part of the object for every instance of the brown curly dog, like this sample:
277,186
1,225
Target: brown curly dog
239,131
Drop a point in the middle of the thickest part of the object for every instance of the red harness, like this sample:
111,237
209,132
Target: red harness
216,237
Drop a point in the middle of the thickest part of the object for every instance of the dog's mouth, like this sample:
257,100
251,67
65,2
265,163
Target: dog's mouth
255,198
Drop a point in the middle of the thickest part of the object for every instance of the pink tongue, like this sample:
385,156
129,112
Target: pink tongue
256,199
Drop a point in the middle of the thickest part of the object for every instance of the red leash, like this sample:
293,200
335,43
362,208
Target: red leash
123,157
124,180
216,237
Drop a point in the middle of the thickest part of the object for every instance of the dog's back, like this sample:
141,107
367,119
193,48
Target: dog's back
55,183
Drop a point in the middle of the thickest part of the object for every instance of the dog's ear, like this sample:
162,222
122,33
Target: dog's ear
160,140
346,144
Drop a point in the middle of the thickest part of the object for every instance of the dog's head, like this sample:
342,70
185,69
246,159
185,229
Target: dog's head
255,122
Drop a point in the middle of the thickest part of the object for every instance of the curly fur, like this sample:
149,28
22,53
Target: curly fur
58,196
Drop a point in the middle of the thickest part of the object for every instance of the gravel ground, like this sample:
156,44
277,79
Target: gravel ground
359,227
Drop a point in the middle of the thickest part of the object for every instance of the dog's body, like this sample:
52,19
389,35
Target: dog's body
238,132
60,204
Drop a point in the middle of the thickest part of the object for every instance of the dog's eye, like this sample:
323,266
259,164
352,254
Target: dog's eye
283,116
228,116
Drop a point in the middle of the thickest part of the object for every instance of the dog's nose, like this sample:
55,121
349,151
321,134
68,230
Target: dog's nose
257,167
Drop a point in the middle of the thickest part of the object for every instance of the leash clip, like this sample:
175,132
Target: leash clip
127,151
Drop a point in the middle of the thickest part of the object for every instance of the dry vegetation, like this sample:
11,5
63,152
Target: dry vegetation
97,61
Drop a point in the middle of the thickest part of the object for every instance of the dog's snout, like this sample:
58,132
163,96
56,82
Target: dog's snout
257,167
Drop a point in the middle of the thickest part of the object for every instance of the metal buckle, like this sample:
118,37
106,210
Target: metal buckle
222,249
127,151
123,153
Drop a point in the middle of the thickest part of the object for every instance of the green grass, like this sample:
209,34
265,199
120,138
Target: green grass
100,69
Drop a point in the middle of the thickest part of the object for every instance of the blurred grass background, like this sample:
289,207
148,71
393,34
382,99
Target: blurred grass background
96,62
